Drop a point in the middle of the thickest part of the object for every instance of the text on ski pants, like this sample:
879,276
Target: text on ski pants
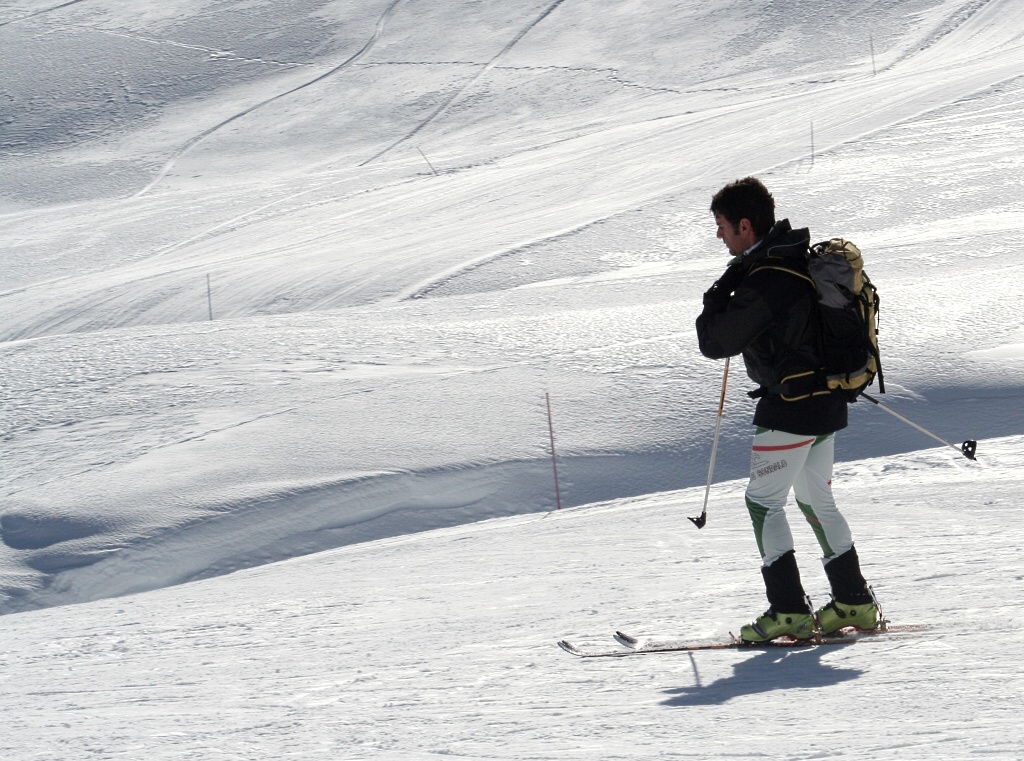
781,462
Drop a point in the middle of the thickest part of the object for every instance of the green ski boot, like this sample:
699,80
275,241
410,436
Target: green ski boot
773,625
837,615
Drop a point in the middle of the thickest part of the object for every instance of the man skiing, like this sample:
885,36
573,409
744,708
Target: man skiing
759,309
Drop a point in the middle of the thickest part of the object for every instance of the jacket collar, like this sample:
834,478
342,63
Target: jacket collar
782,240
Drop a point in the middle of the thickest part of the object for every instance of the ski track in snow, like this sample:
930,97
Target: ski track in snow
169,165
458,93
40,12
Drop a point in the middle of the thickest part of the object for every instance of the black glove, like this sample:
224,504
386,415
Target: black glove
717,297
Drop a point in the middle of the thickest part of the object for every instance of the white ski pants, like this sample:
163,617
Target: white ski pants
781,462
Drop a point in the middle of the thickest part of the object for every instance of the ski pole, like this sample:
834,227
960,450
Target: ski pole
967,449
699,522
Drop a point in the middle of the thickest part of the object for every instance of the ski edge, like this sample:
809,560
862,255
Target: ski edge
573,649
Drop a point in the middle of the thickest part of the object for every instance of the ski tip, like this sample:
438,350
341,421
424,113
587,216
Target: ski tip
569,647
627,640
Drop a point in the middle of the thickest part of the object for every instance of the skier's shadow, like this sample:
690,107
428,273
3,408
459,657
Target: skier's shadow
779,669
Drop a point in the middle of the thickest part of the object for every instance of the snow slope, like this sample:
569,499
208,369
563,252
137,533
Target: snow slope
442,644
409,221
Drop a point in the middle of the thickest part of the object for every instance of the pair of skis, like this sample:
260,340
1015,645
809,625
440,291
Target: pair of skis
632,645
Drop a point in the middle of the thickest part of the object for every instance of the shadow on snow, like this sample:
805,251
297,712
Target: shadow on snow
770,670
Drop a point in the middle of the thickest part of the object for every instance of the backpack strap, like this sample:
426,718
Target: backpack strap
768,263
795,387
798,385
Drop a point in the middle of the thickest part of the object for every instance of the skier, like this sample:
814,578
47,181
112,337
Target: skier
766,314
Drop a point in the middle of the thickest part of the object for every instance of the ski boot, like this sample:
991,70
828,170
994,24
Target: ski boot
837,615
772,625
853,601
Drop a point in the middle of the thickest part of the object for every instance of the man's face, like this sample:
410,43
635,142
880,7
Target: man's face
737,238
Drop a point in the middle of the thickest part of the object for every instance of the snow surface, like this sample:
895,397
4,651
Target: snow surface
410,221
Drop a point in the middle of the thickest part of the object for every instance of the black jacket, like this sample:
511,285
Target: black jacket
767,314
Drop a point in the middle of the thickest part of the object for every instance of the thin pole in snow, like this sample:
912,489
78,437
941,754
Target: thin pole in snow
427,160
812,143
209,298
871,40
554,460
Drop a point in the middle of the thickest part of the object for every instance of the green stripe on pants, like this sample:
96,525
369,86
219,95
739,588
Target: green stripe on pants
758,513
819,531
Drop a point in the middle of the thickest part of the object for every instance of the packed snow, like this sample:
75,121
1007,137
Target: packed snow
286,289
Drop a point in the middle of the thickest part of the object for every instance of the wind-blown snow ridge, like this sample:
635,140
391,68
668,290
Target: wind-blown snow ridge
315,518
296,521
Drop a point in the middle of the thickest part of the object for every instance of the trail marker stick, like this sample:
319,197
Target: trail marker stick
699,522
554,460
428,161
812,144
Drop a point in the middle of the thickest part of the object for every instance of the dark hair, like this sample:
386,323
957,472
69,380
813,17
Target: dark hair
746,199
